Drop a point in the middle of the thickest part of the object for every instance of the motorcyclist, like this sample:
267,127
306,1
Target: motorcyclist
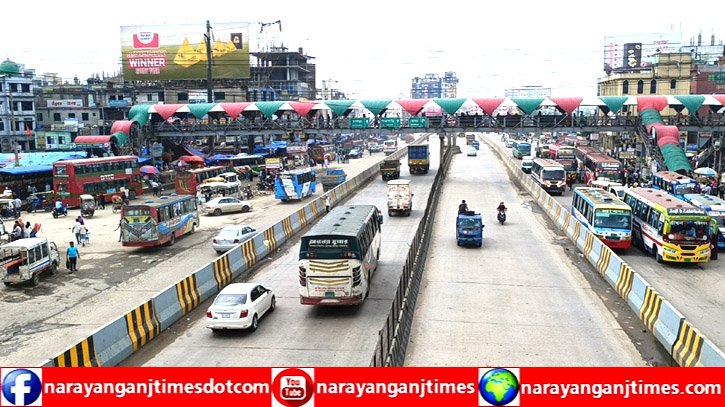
501,207
59,207
463,207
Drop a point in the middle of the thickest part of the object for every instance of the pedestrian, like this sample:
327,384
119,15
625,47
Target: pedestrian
77,231
155,187
570,182
81,220
18,203
713,244
118,228
721,189
73,256
100,201
326,203
36,230
326,163
83,232
28,229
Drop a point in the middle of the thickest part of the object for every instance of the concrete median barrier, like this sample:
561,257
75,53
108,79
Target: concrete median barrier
667,325
637,294
711,356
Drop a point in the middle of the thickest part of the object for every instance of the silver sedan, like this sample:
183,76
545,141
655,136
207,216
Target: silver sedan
217,206
231,236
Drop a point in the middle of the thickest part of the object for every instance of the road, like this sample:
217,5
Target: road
295,334
40,322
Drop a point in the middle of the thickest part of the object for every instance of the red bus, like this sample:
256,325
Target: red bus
565,155
581,153
602,167
107,176
188,180
319,151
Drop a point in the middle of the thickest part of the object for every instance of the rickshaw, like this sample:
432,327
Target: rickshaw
88,205
7,208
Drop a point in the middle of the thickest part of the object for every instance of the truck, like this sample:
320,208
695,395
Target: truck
418,158
26,259
390,146
469,229
333,178
400,197
470,138
390,169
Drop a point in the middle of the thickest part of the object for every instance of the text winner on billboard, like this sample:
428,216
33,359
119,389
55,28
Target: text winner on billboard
170,52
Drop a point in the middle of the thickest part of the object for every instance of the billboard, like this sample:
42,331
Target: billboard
171,52
636,52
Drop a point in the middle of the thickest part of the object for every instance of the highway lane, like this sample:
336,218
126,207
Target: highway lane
40,322
295,334
516,301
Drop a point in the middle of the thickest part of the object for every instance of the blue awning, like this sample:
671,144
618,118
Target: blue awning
29,169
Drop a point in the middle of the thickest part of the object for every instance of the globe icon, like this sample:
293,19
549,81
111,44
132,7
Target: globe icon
498,387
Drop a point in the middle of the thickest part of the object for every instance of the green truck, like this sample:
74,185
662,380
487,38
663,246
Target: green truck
390,169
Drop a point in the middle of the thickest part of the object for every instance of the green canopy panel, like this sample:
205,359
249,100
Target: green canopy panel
376,107
614,103
451,106
121,137
651,117
675,158
199,110
528,105
139,114
339,107
268,109
691,102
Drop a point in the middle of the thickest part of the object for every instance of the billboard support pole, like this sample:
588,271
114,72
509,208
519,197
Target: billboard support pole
209,88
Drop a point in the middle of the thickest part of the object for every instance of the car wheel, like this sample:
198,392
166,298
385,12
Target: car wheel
53,268
273,304
245,209
255,323
458,243
217,212
216,330
7,283
35,280
219,252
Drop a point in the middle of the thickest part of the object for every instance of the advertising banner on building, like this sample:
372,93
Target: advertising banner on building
171,52
636,52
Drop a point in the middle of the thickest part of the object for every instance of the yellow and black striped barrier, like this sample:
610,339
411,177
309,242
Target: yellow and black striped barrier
557,214
588,244
269,236
315,212
577,231
688,347
565,226
249,253
624,281
303,217
650,310
142,324
287,226
604,257
189,295
81,355
333,196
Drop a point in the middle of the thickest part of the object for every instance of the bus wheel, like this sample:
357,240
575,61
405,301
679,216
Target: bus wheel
193,228
132,194
173,239
657,256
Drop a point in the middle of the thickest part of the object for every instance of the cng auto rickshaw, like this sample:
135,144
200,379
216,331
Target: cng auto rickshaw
88,205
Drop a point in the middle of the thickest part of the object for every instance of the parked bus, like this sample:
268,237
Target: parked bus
319,151
294,184
715,208
668,228
603,167
339,256
188,181
549,174
582,152
674,184
605,215
159,220
520,149
242,164
108,176
226,189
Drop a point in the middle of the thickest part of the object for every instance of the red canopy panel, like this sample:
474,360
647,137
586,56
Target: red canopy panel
488,105
651,102
302,108
124,126
165,111
234,109
568,104
720,98
92,139
667,135
191,159
412,106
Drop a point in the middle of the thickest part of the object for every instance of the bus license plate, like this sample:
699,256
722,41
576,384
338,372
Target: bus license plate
329,294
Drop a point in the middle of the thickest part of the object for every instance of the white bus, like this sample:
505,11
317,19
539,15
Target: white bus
715,208
339,255
549,174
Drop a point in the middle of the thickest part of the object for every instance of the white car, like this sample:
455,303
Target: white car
509,142
240,306
231,236
217,206
472,152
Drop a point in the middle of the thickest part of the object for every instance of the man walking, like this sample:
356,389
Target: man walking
73,257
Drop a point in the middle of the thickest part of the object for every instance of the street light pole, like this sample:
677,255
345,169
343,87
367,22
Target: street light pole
12,126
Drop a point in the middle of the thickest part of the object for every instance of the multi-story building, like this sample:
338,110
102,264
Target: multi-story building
528,91
17,107
433,86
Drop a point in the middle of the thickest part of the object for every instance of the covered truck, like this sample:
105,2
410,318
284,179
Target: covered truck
390,169
418,158
400,197
25,259
333,178
469,229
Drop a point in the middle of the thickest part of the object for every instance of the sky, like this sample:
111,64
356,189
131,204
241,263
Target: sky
373,49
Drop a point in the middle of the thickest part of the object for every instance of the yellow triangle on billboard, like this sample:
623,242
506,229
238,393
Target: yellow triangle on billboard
201,50
219,49
186,56
231,47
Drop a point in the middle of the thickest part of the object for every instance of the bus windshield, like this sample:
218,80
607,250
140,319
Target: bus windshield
612,218
682,189
689,230
610,176
553,175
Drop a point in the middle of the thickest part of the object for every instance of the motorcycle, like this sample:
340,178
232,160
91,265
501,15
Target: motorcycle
501,216
247,191
58,212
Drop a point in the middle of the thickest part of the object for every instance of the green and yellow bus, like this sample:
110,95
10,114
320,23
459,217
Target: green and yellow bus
520,149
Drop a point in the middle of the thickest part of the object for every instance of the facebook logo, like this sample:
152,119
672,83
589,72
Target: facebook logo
22,387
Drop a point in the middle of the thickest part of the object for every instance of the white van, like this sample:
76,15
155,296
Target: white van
400,197
526,164
26,259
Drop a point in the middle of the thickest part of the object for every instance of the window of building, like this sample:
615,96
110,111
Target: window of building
219,96
149,98
161,96
71,115
25,87
61,139
49,140
1,87
625,87
27,106
183,96
84,116
111,97
673,84
13,87
640,86
2,126
39,117
653,86
56,117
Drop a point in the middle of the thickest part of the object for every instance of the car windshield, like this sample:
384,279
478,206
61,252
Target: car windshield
470,224
613,218
553,175
231,299
688,230
229,233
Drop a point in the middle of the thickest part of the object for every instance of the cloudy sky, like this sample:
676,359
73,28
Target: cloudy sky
372,49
